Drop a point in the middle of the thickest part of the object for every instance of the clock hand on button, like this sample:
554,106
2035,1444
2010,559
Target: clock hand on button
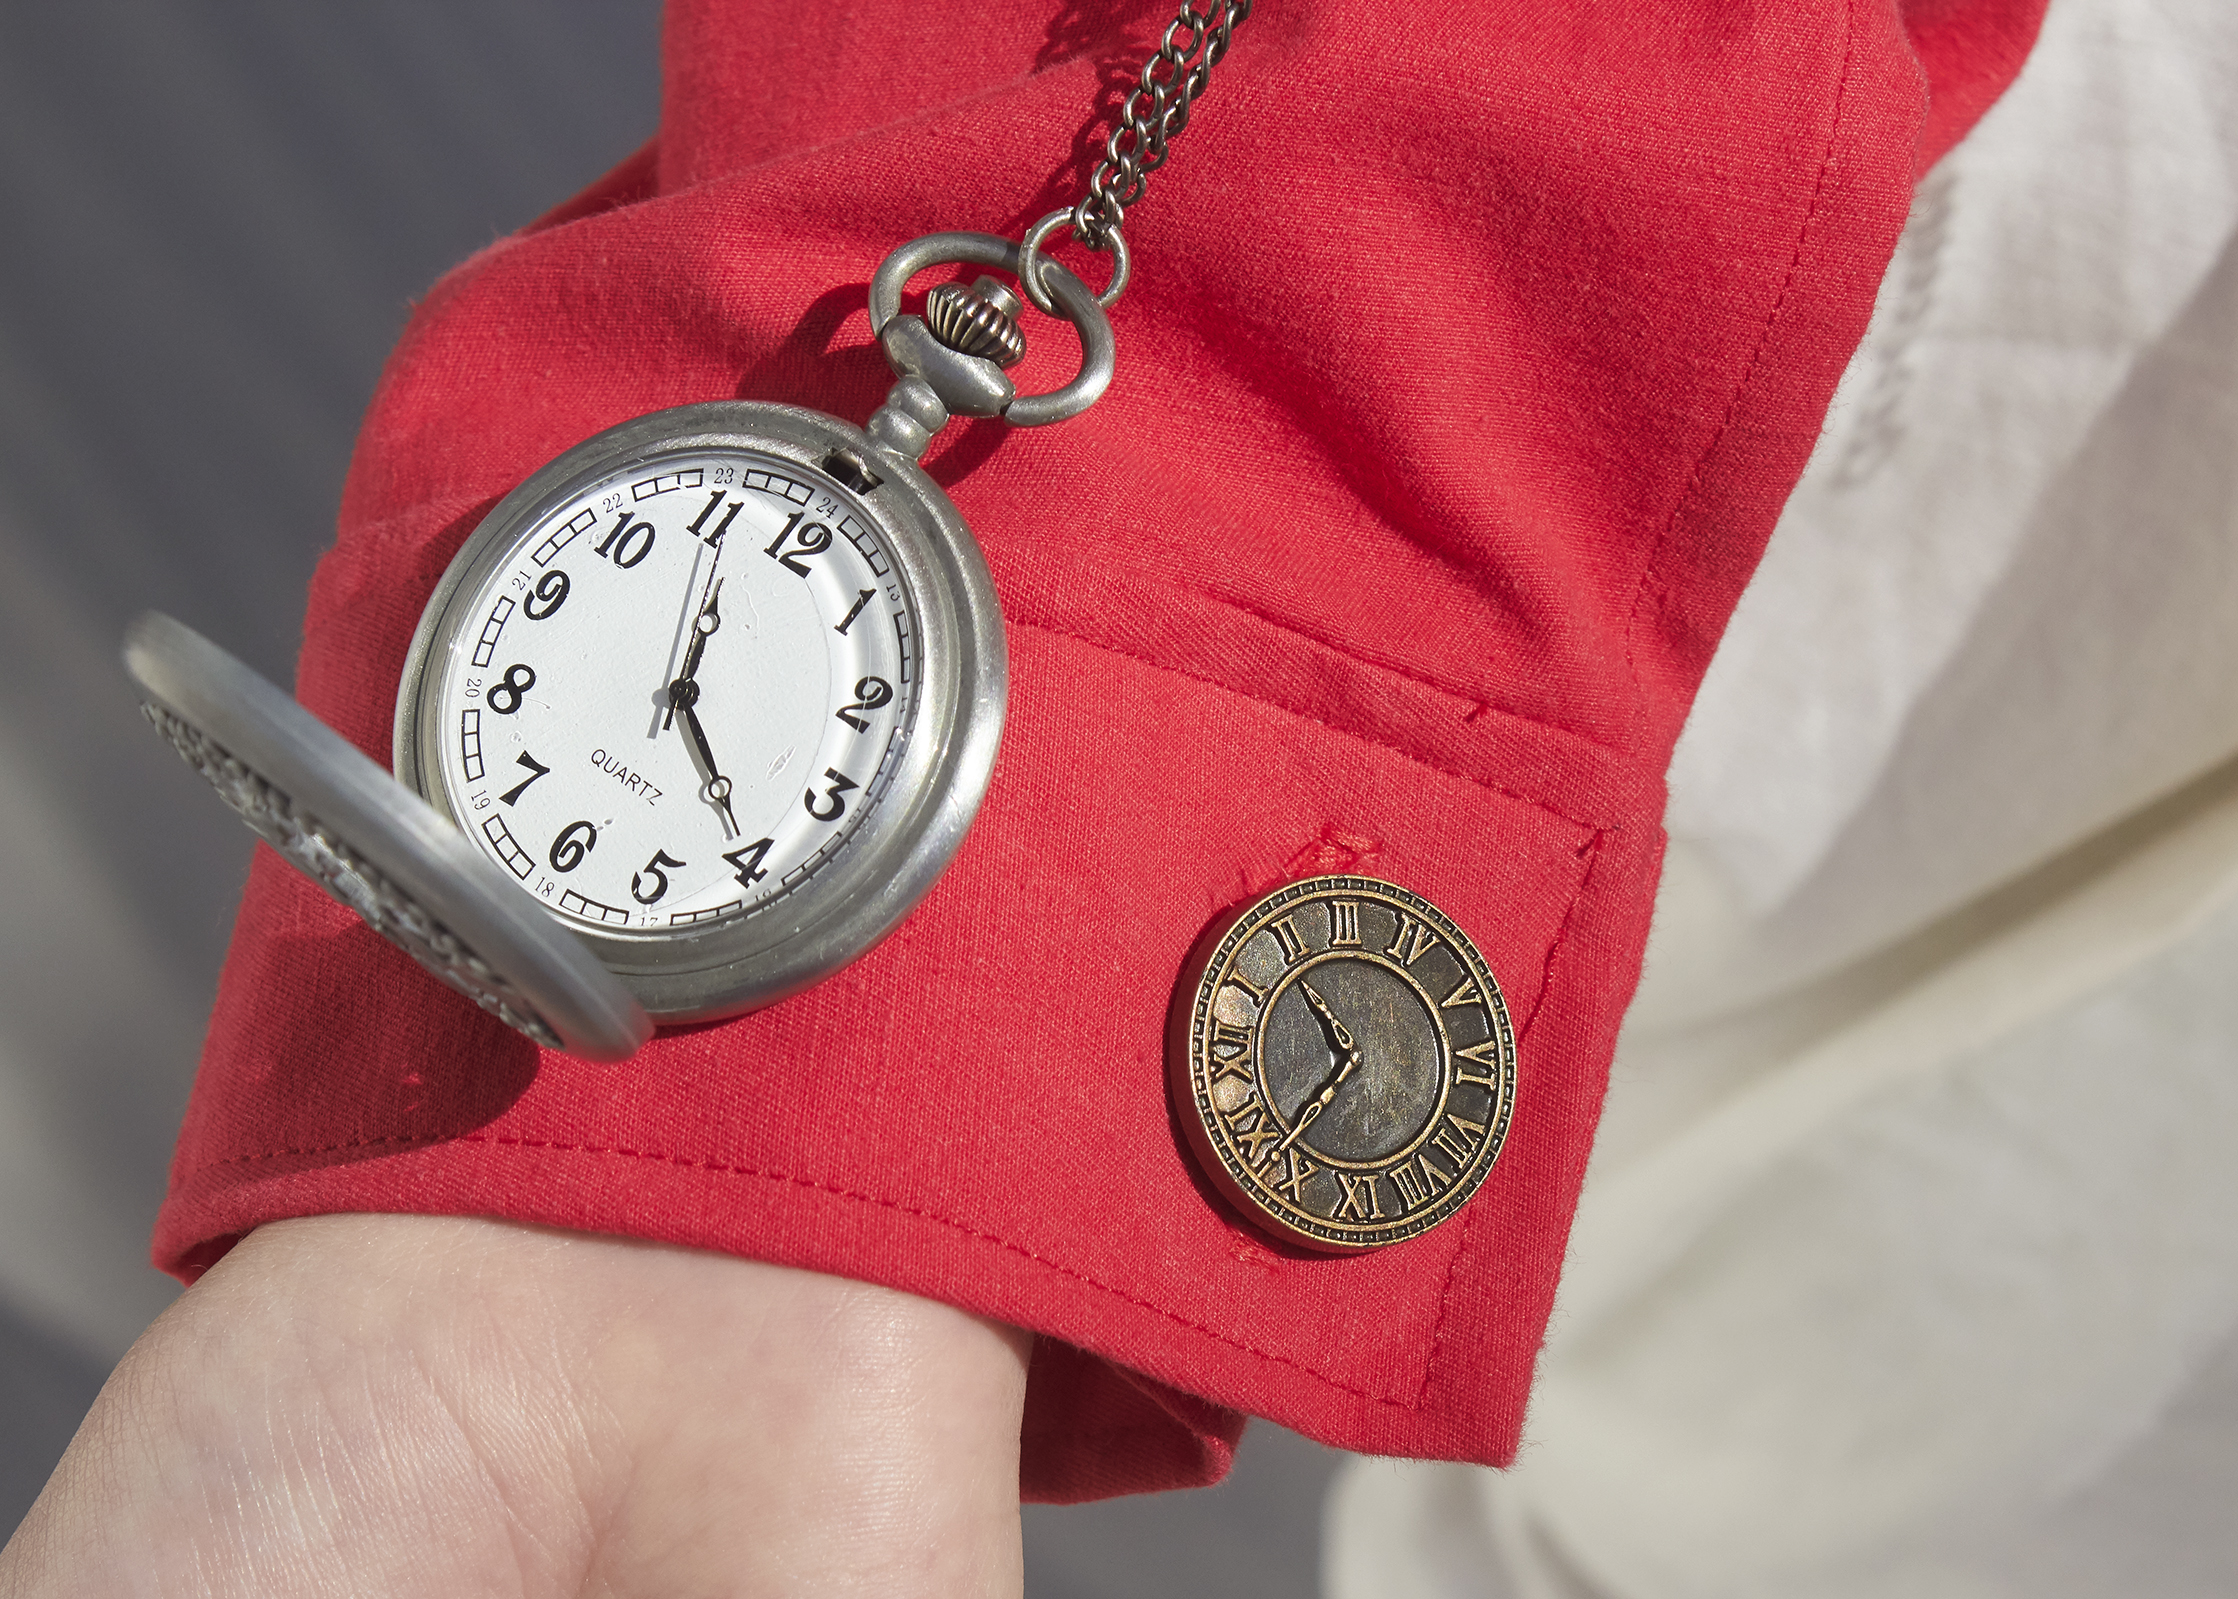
1340,1039
1340,1036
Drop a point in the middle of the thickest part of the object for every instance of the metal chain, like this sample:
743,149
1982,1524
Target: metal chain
1153,115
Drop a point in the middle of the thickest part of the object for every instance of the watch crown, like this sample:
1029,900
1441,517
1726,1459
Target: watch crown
979,320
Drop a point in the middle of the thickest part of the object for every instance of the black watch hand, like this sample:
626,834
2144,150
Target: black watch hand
703,628
681,694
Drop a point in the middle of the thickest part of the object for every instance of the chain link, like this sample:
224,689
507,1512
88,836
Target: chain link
1153,115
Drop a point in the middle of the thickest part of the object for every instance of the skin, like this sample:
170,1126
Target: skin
391,1405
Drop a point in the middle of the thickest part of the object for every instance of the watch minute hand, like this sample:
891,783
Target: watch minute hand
703,628
1339,1034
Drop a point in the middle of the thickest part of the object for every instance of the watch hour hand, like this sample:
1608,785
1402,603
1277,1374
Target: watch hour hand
681,695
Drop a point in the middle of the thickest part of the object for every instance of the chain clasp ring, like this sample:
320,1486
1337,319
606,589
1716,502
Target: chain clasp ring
1030,260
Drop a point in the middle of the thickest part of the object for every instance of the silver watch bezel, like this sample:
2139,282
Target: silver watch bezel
899,850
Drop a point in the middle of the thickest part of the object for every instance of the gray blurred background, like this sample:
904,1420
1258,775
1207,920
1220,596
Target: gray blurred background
215,217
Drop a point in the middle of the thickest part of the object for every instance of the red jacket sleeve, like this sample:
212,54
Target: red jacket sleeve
1469,359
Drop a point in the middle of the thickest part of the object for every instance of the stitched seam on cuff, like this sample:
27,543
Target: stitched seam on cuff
405,1143
1522,1032
1561,937
1445,1302
1476,703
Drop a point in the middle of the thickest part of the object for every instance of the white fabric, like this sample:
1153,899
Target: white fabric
1908,1261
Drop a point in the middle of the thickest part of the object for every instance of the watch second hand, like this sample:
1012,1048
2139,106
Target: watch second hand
1341,1037
666,718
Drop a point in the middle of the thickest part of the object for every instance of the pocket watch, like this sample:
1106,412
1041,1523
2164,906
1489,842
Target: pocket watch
719,689
722,687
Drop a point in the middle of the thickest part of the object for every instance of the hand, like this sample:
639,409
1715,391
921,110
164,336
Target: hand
1340,1036
1340,1040
683,694
703,628
382,1406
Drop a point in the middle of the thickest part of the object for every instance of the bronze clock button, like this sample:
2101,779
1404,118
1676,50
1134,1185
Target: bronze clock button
1342,1063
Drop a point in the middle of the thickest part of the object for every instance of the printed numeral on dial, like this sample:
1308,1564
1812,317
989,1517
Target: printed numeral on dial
813,539
870,693
645,895
834,794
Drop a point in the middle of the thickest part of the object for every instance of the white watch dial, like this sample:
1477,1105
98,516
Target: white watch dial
679,693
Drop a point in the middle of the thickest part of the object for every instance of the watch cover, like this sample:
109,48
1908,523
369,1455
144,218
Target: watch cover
377,847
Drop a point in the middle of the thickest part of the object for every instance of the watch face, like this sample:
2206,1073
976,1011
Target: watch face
680,691
1345,1064
697,690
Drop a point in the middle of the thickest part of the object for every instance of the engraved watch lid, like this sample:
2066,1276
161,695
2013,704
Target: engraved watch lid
377,847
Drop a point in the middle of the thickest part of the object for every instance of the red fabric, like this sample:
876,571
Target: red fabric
1464,374
1969,52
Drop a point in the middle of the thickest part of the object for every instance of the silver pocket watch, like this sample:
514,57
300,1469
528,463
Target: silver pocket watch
719,689
722,688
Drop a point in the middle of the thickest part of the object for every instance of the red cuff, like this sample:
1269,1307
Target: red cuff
1461,383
